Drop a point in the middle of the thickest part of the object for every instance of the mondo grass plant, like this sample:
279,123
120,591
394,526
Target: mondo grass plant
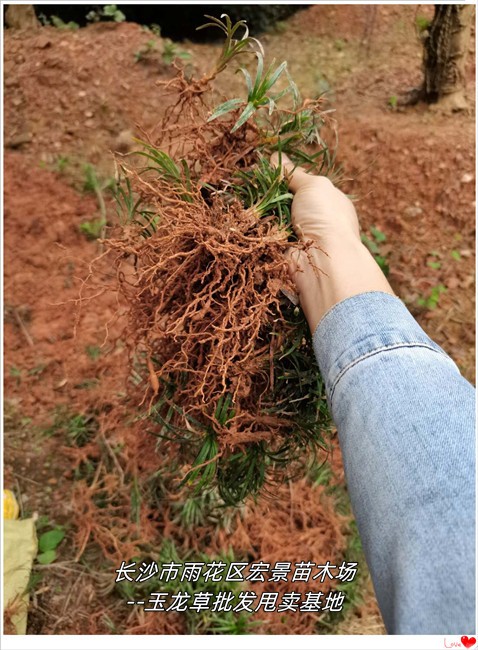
222,352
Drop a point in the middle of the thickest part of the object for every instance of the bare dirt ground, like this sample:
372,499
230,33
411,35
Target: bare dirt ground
71,98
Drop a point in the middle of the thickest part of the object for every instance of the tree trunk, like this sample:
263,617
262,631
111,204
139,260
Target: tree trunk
445,51
21,17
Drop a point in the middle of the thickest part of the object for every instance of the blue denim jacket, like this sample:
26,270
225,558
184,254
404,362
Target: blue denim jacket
405,419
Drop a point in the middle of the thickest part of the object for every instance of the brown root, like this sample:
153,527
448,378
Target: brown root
204,299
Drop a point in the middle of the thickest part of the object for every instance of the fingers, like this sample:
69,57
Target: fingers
292,258
295,175
304,277
297,263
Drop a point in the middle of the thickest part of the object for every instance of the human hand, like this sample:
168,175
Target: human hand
338,266
320,211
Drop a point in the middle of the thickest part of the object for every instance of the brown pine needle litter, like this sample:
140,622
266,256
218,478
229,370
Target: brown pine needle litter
230,385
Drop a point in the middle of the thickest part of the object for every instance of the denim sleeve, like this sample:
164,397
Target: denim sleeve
405,420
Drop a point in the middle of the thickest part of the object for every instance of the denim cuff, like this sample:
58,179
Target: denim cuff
361,326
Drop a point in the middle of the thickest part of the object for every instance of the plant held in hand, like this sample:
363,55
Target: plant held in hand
230,380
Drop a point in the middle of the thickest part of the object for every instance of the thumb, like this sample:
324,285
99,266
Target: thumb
295,176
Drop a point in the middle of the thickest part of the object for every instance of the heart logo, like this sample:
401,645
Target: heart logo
468,641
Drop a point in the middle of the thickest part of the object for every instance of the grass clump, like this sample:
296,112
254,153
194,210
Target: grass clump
229,378
76,428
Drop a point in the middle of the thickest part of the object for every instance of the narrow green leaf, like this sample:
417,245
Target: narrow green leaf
238,25
378,234
224,108
248,79
257,81
275,76
216,23
281,197
245,115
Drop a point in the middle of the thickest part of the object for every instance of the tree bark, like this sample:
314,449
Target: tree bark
21,17
445,52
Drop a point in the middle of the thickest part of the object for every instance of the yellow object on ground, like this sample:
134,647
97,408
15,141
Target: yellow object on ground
19,550
10,505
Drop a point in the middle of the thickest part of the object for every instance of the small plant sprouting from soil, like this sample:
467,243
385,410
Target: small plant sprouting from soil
60,24
171,51
95,228
108,12
48,543
76,428
374,243
93,351
431,299
229,377
166,50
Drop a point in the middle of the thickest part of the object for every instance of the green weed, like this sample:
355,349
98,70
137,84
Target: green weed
77,428
422,23
16,373
431,300
393,101
61,164
112,11
48,542
155,29
171,52
93,182
34,581
93,229
59,24
373,243
93,351
108,12
145,51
